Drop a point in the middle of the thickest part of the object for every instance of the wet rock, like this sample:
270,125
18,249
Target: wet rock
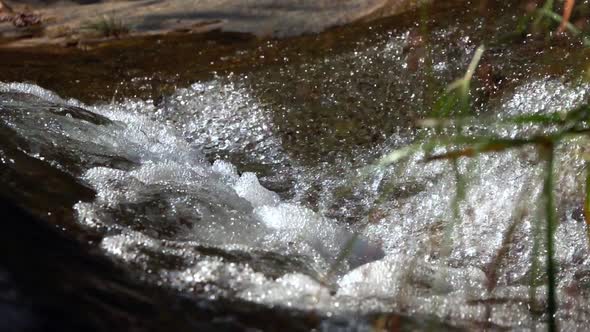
269,18
5,9
25,19
46,125
51,283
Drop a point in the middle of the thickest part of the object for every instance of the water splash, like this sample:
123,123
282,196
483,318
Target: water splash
218,228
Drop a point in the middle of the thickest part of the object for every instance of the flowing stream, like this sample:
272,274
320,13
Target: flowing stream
258,186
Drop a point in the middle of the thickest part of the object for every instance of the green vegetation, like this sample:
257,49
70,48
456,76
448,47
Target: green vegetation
107,26
449,116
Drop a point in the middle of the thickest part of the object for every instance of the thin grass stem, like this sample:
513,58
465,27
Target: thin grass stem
549,154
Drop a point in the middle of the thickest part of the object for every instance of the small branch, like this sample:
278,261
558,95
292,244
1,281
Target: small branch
568,7
558,18
491,146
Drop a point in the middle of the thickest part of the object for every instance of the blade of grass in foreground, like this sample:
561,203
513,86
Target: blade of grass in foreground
549,154
587,202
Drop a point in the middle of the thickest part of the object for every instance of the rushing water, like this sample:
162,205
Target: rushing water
251,186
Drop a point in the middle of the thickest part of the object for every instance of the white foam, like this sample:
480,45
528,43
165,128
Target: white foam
228,172
31,89
249,188
291,290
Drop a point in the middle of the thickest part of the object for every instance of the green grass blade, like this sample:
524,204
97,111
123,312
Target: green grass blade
549,154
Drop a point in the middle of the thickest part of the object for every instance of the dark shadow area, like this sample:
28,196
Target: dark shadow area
49,282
